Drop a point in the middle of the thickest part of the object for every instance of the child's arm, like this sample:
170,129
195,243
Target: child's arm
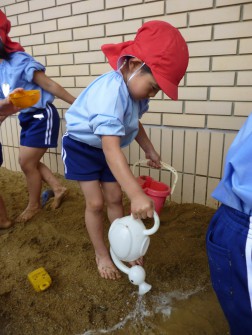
41,79
145,143
141,205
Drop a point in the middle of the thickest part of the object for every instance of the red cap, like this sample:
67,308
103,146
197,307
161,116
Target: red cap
162,47
5,26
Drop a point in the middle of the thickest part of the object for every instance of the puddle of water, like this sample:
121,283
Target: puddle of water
188,313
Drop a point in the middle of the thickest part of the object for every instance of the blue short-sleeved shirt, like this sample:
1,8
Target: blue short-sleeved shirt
105,108
18,71
235,188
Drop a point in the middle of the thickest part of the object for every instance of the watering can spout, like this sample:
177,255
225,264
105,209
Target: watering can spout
144,288
136,274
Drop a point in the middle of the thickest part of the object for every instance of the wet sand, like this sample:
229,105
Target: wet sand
79,301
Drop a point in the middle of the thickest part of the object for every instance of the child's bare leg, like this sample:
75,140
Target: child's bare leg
59,190
4,221
113,197
94,223
29,161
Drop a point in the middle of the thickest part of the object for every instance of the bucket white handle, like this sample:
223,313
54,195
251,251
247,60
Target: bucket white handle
164,166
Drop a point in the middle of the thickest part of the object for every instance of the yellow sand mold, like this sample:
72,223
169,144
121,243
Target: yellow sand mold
25,99
40,279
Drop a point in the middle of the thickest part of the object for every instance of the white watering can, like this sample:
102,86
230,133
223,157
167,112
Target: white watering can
129,240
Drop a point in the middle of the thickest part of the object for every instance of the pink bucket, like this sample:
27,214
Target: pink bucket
156,190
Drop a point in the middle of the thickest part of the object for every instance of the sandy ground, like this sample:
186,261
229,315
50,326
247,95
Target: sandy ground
78,300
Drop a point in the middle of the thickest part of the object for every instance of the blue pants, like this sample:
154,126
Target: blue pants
83,162
229,249
40,129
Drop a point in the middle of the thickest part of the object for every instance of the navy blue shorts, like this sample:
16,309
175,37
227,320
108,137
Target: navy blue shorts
83,162
40,129
229,250
1,154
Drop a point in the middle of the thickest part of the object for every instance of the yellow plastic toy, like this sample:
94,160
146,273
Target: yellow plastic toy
25,99
40,279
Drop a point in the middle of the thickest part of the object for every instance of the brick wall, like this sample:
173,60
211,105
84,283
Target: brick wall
193,133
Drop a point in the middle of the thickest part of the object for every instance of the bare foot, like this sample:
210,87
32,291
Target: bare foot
59,196
5,224
27,214
107,268
139,261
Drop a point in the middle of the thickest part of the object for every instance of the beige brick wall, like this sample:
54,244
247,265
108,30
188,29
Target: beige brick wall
192,134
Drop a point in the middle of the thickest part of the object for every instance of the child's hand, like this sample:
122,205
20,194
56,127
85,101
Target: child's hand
154,159
142,206
6,106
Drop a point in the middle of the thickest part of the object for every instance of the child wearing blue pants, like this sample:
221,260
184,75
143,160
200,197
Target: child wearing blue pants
105,118
39,123
229,236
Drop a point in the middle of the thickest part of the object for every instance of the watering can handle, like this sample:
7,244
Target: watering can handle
163,165
155,227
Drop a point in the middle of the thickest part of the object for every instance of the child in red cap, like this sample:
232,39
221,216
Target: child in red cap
39,123
105,118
